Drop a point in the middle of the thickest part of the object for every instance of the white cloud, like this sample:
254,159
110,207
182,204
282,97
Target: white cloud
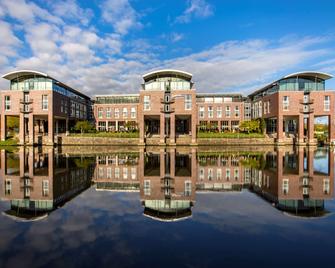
195,9
121,15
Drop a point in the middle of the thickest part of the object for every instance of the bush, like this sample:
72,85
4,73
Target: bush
83,126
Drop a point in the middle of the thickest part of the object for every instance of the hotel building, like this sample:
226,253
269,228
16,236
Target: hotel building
167,110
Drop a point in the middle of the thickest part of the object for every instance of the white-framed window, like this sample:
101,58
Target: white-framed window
8,186
45,102
305,191
125,113
326,104
201,174
201,112
188,102
146,103
227,111
227,174
286,103
285,186
108,112
188,188
133,173
210,174
117,173
100,110
109,173
219,112
7,103
133,112
45,187
218,174
210,112
116,113
147,188
125,173
101,172
326,186
236,174
237,111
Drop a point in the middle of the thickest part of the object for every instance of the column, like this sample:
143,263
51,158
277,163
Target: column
21,129
117,125
331,130
67,126
141,129
3,127
57,126
50,129
31,129
310,129
107,126
301,129
173,129
31,161
172,162
193,129
162,128
220,125
301,160
279,128
161,163
22,158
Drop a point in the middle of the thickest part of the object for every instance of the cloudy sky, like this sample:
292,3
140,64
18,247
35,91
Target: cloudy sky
103,47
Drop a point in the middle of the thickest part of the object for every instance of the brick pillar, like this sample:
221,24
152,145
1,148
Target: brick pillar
280,128
220,125
310,161
67,126
22,158
301,159
31,161
162,128
3,127
161,162
310,129
141,129
193,129
50,129
173,128
331,129
301,129
31,129
172,162
21,129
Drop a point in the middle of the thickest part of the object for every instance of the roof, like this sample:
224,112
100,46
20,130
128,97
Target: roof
164,72
321,75
14,74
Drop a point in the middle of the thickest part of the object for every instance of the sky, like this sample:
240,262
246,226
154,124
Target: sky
104,47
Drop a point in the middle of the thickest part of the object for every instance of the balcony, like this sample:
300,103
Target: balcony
167,112
310,101
167,102
306,110
22,101
26,110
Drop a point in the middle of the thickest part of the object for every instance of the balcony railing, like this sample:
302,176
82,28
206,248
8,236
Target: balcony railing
26,101
306,110
169,111
171,100
26,111
310,101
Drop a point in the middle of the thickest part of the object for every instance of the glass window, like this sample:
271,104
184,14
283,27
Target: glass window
133,112
237,111
219,112
285,186
146,103
326,103
45,102
188,188
227,111
100,111
8,186
116,113
210,111
188,102
286,103
108,112
125,113
201,112
147,189
7,103
45,187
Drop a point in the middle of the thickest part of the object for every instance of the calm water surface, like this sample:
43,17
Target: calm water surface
117,207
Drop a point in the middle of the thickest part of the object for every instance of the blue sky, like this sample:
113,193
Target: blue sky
103,47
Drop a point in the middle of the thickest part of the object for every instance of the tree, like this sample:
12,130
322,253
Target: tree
249,126
262,125
83,126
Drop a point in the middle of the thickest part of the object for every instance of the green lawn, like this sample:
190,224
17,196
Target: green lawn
108,134
217,135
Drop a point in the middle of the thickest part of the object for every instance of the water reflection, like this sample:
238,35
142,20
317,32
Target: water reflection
297,181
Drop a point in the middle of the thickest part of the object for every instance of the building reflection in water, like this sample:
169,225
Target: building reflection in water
297,181
37,183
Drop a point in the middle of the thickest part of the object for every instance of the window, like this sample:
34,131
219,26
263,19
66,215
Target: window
8,187
286,103
225,125
116,113
45,187
188,102
219,112
218,174
147,190
210,174
210,111
100,112
227,174
117,173
108,112
285,186
125,113
109,173
100,172
102,126
237,111
125,173
236,174
146,103
326,103
201,174
133,112
188,188
227,111
201,112
133,173
45,102
326,186
7,103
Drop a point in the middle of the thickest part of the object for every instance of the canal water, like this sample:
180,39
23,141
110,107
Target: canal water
167,207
